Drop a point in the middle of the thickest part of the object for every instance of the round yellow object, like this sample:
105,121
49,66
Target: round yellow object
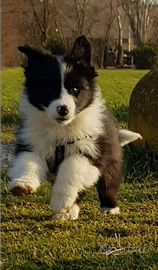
143,110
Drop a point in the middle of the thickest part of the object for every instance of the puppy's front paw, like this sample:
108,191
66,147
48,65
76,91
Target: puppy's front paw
64,215
60,201
68,214
112,211
21,188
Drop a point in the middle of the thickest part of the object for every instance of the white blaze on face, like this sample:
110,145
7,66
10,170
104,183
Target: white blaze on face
65,100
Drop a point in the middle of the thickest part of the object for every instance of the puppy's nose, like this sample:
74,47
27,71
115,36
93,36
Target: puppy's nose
62,110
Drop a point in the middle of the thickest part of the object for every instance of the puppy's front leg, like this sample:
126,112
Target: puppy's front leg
74,175
27,171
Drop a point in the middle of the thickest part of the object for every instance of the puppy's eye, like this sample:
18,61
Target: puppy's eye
75,90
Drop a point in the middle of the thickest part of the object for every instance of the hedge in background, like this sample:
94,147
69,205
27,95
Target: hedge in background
146,56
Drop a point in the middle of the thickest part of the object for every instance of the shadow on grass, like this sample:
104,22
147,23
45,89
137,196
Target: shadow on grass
120,113
27,218
102,262
9,118
59,264
111,232
140,163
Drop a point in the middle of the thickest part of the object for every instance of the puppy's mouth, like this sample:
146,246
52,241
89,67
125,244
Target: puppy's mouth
64,120
61,119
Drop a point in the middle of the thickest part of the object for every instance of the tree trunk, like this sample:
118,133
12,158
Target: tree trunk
119,62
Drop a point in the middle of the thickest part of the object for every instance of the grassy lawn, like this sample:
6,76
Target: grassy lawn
11,85
31,240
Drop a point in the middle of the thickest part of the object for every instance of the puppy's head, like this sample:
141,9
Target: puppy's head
62,86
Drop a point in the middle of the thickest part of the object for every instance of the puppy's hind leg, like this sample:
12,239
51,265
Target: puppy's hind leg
27,171
107,197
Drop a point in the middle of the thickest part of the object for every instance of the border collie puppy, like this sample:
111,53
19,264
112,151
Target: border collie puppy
66,129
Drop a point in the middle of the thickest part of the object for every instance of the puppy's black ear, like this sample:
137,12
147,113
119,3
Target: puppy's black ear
81,50
35,57
25,49
31,52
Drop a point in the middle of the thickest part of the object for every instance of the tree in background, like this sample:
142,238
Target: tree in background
109,17
120,22
49,21
37,23
154,33
76,18
41,12
141,14
54,24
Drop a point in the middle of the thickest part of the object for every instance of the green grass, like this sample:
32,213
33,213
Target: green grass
31,240
11,85
117,85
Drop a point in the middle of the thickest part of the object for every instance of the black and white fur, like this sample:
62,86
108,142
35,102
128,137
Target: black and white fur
61,104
